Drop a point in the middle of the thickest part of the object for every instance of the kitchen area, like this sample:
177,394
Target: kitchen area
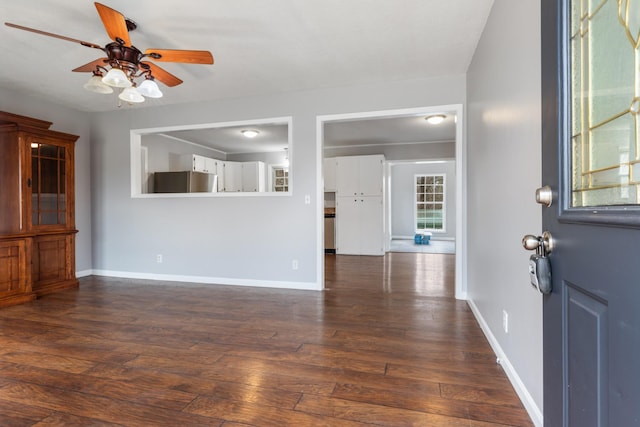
329,222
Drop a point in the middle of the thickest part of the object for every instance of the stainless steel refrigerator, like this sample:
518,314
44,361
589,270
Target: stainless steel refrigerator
184,182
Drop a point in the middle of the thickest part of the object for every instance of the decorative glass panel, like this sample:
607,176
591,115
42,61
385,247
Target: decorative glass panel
605,102
48,175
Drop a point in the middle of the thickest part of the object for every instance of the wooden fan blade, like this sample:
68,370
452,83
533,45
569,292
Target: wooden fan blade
185,56
162,75
114,23
44,33
91,66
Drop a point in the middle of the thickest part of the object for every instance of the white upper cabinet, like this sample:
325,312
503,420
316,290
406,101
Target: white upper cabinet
359,175
253,176
196,163
232,176
329,168
219,171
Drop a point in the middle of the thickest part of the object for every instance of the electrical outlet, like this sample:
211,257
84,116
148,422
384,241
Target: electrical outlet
505,321
294,264
307,199
159,258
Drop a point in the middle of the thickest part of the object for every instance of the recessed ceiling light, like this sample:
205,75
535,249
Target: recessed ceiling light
250,133
435,119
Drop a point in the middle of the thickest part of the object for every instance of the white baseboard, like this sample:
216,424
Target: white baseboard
527,400
84,273
307,286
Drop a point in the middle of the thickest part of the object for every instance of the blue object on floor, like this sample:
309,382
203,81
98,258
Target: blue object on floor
426,239
417,239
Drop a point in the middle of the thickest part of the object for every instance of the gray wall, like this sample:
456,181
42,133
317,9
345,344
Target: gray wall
245,239
403,193
504,162
76,123
432,150
165,153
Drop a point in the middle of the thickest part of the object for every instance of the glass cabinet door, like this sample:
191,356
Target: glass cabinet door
48,184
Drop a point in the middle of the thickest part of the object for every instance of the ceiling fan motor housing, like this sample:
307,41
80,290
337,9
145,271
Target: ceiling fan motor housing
124,57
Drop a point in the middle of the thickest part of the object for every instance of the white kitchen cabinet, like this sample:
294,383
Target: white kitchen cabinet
253,177
232,176
219,171
359,225
359,175
197,163
329,168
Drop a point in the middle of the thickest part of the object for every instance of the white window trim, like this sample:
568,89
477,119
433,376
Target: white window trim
272,168
444,203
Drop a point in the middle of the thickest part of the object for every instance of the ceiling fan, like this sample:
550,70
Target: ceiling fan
124,63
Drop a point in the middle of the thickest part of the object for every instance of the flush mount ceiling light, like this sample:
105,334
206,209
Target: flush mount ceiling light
250,133
435,119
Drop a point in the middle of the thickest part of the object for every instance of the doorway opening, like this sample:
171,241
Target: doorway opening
397,135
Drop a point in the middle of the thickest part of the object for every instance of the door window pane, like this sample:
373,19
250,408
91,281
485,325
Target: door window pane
605,102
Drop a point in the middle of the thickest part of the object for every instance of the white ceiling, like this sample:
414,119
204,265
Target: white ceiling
273,137
260,47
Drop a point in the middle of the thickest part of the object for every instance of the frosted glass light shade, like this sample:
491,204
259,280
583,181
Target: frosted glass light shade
131,94
435,119
150,89
250,133
116,78
96,85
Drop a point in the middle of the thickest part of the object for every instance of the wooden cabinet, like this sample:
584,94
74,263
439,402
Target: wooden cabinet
15,274
37,210
359,175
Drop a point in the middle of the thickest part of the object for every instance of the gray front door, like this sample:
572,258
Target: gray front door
591,160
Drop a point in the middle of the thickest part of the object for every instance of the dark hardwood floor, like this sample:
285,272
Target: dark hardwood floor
385,344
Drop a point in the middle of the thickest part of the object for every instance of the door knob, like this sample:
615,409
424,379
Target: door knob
543,244
539,264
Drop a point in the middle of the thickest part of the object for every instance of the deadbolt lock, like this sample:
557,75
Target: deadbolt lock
544,196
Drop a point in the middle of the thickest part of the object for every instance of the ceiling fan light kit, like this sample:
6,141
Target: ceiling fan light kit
117,78
124,62
149,89
130,94
95,84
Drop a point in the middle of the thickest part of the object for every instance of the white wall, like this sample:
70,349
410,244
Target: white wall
236,240
504,163
403,197
76,123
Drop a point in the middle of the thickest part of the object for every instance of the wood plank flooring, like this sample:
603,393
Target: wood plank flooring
386,344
